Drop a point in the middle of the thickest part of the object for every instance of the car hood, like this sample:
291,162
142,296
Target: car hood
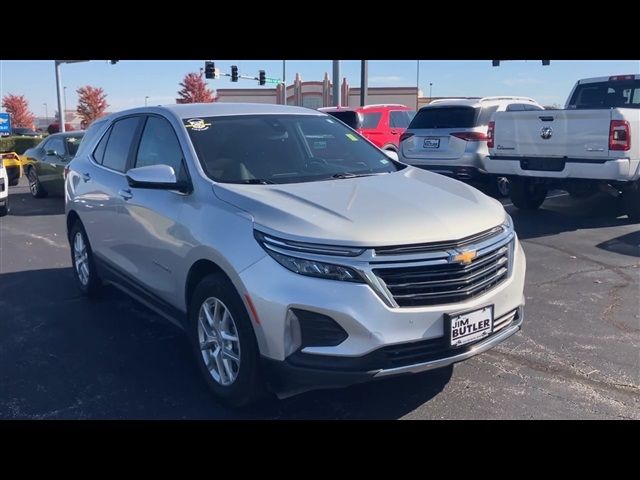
408,206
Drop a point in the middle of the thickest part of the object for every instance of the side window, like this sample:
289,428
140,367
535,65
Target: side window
515,107
119,143
56,144
98,153
399,118
529,106
371,120
159,145
485,115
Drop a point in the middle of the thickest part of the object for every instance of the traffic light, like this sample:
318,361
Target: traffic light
262,77
234,73
545,62
495,63
113,62
209,70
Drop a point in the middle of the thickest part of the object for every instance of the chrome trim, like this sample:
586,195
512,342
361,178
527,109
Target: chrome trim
481,347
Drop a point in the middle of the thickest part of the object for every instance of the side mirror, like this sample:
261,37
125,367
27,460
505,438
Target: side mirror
158,177
51,153
392,155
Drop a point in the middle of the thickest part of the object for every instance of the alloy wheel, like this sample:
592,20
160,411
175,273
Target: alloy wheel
81,259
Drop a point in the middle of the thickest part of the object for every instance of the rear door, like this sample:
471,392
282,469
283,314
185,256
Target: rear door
399,120
433,128
374,127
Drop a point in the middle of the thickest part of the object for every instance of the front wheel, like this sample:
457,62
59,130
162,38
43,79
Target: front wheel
223,342
527,195
35,187
631,199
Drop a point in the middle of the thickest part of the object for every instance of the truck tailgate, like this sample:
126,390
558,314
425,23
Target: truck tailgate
552,133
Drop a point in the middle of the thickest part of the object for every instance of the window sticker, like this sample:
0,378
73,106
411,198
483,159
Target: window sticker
351,137
384,161
197,124
319,145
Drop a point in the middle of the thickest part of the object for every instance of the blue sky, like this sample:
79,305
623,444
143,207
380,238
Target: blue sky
128,82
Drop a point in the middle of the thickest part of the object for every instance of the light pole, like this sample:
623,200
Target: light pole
60,92
46,112
64,94
430,91
146,97
364,81
336,83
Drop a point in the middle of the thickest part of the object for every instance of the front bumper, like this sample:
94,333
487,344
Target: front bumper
372,325
621,169
300,372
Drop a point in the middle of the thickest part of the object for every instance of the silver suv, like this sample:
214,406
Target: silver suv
294,253
449,136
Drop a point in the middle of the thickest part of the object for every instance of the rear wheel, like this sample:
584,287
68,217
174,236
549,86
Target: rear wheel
35,187
84,268
631,199
526,194
4,209
223,342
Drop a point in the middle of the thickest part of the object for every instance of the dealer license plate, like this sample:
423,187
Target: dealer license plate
431,143
470,326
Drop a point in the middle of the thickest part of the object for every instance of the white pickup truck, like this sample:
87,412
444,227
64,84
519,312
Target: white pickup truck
593,144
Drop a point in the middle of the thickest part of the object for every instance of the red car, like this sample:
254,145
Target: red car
381,124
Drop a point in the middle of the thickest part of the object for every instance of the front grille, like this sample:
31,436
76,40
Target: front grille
446,283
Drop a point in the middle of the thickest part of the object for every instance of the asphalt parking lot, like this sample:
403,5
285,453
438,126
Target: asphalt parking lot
578,356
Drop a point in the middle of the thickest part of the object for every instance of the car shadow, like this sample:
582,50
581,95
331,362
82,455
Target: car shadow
567,215
25,205
65,356
628,244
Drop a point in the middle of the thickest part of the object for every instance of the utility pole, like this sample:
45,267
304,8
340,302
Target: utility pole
430,91
336,83
60,106
418,85
65,100
364,81
46,112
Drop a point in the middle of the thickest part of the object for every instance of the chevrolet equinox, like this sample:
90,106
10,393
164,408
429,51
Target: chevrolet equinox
293,252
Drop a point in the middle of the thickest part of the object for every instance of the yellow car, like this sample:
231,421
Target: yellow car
13,165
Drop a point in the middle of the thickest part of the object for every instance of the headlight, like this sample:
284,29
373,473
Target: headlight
305,266
313,268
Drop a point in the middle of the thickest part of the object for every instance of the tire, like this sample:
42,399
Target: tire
631,200
503,186
4,209
35,187
390,148
84,271
527,195
241,382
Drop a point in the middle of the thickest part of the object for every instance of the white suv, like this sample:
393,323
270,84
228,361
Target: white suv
4,191
288,247
449,136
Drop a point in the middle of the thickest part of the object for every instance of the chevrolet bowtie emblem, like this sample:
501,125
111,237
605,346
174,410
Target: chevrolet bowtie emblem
465,258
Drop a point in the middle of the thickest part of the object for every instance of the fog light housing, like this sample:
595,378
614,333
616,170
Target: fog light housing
318,330
292,336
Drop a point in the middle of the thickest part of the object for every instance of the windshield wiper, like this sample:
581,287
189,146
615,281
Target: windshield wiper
254,181
342,175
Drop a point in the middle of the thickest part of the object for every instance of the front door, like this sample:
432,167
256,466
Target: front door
157,242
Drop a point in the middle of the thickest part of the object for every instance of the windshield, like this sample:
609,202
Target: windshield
603,95
283,149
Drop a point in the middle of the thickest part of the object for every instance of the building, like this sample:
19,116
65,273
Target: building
71,117
316,94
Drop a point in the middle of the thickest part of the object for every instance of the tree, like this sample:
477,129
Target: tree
92,103
18,108
195,90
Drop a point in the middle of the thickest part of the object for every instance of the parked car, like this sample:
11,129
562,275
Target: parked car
290,249
44,166
25,132
381,124
4,191
449,136
591,145
13,167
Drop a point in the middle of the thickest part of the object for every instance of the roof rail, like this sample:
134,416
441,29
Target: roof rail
377,105
488,99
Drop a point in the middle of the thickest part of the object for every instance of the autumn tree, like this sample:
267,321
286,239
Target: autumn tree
92,103
195,90
18,108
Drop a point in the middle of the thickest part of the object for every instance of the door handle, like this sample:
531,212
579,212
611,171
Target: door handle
125,194
86,177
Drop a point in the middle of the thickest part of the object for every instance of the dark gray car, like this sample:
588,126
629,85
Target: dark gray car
45,163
